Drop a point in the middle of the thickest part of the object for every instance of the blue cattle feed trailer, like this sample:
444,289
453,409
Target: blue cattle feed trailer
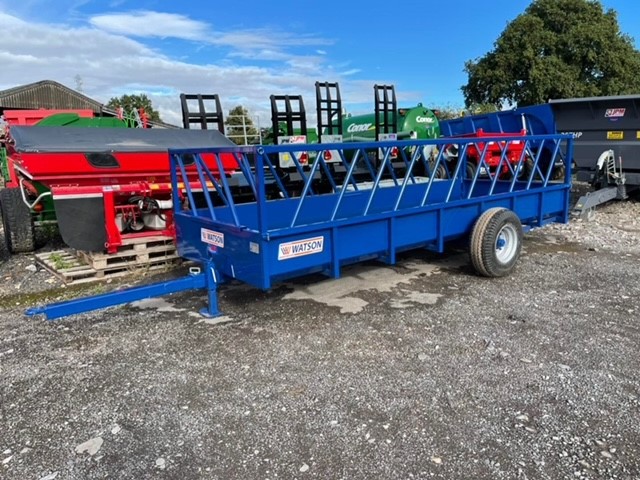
377,200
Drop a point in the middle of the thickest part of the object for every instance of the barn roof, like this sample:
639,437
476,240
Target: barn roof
46,94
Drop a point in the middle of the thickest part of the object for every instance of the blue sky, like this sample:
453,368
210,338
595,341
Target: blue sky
249,49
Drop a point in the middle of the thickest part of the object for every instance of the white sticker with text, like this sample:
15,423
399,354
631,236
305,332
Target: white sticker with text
212,238
300,248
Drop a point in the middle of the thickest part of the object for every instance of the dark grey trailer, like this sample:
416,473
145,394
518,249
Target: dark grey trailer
607,144
600,124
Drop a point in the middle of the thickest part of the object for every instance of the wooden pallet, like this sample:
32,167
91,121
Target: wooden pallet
136,256
139,251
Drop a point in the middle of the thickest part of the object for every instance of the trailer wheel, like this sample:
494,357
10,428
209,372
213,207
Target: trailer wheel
496,242
17,222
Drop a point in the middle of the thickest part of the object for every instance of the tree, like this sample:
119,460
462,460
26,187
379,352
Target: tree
134,102
240,128
555,49
449,112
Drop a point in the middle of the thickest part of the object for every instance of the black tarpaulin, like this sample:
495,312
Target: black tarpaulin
78,139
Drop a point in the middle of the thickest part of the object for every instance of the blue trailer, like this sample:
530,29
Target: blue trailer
535,120
333,218
605,130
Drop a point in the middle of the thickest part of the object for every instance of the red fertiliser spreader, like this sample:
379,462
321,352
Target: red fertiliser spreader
107,184
515,157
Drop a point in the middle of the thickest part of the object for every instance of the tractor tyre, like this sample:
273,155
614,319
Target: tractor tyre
558,173
529,167
17,222
496,242
440,172
471,169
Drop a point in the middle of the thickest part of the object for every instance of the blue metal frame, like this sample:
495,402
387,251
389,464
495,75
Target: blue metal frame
378,199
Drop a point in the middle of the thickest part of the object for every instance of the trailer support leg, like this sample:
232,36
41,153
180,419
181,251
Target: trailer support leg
212,280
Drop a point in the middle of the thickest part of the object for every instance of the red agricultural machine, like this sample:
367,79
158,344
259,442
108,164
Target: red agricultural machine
107,184
516,159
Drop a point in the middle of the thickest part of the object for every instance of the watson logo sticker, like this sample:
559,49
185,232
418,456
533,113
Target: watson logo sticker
212,238
615,112
300,248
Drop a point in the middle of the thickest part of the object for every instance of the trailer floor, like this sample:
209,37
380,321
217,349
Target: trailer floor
423,370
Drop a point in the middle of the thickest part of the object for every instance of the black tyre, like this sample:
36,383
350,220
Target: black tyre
16,221
496,242
529,167
440,172
471,169
558,173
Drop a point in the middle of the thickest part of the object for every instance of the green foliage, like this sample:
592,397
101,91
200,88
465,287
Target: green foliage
134,102
240,128
58,261
555,49
447,112
450,112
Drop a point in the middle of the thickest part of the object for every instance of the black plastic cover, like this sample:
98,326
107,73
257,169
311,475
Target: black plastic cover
65,139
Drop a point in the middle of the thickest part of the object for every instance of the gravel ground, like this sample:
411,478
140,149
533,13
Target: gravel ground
428,371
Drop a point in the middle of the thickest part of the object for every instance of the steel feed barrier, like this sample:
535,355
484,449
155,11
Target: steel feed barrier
291,210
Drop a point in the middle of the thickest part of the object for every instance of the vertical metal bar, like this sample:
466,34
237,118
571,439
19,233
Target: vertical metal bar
567,177
187,188
391,224
440,240
173,158
263,221
335,261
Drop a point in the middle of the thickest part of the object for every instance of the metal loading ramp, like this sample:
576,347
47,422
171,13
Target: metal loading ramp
321,221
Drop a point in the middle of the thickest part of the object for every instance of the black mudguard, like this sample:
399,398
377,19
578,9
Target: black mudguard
81,222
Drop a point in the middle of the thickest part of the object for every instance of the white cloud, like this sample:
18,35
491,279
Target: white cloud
151,24
110,64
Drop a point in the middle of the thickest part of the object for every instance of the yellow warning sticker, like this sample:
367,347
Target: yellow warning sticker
615,135
638,134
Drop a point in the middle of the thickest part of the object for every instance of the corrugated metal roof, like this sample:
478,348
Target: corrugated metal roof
46,94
